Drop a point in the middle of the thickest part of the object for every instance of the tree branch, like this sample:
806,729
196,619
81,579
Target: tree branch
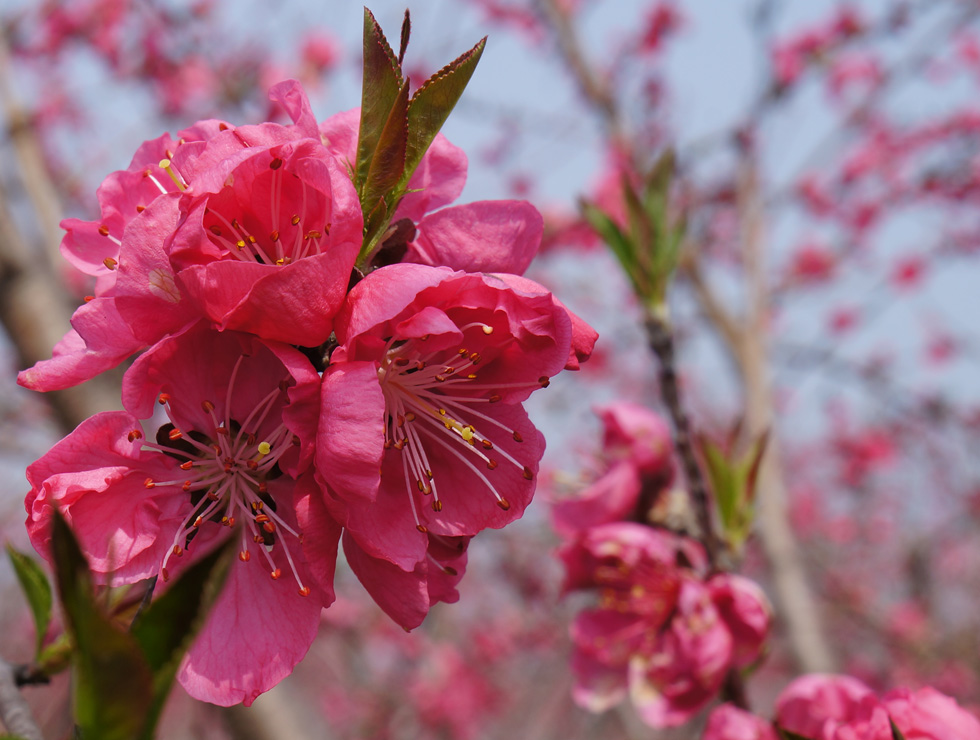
14,711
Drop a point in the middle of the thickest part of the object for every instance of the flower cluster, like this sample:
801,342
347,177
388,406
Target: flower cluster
290,394
666,631
826,707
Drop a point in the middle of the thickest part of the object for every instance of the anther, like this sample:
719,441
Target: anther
488,330
89,298
528,475
244,556
504,504
487,444
421,528
304,591
475,358
134,435
148,483
163,399
215,229
401,361
140,209
186,485
262,518
543,380
518,437
294,220
437,505
269,527
410,416
110,263
207,406
175,434
274,236
199,521
187,465
276,573
275,164
494,398
178,550
165,573
449,570
491,464
104,230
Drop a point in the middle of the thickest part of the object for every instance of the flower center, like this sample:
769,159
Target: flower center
226,471
292,228
432,398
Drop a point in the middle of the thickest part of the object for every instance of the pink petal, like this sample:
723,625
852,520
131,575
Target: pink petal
488,236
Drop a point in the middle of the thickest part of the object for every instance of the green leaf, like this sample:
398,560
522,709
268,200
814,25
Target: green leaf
733,483
406,32
609,231
166,629
112,681
385,170
37,590
379,90
432,103
896,733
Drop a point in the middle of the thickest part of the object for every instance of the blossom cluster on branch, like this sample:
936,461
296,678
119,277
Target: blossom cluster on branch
293,389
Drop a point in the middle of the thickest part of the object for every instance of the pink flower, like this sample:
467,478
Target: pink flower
422,435
262,216
927,714
233,461
656,633
746,611
486,236
638,445
727,722
815,705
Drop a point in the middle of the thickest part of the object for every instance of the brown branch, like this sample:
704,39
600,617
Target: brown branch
14,711
661,342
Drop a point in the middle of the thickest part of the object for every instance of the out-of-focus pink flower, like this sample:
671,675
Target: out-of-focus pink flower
319,52
422,433
908,272
656,633
927,714
746,611
815,705
662,20
812,263
237,448
637,444
728,722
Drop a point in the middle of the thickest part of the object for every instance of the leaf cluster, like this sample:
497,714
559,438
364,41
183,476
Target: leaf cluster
396,129
648,246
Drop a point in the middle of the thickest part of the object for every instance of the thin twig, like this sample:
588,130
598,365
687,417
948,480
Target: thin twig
14,711
661,341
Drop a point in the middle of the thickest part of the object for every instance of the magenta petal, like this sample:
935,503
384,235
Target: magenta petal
321,535
598,686
254,637
402,595
438,180
488,236
607,500
290,95
351,432
294,304
100,340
